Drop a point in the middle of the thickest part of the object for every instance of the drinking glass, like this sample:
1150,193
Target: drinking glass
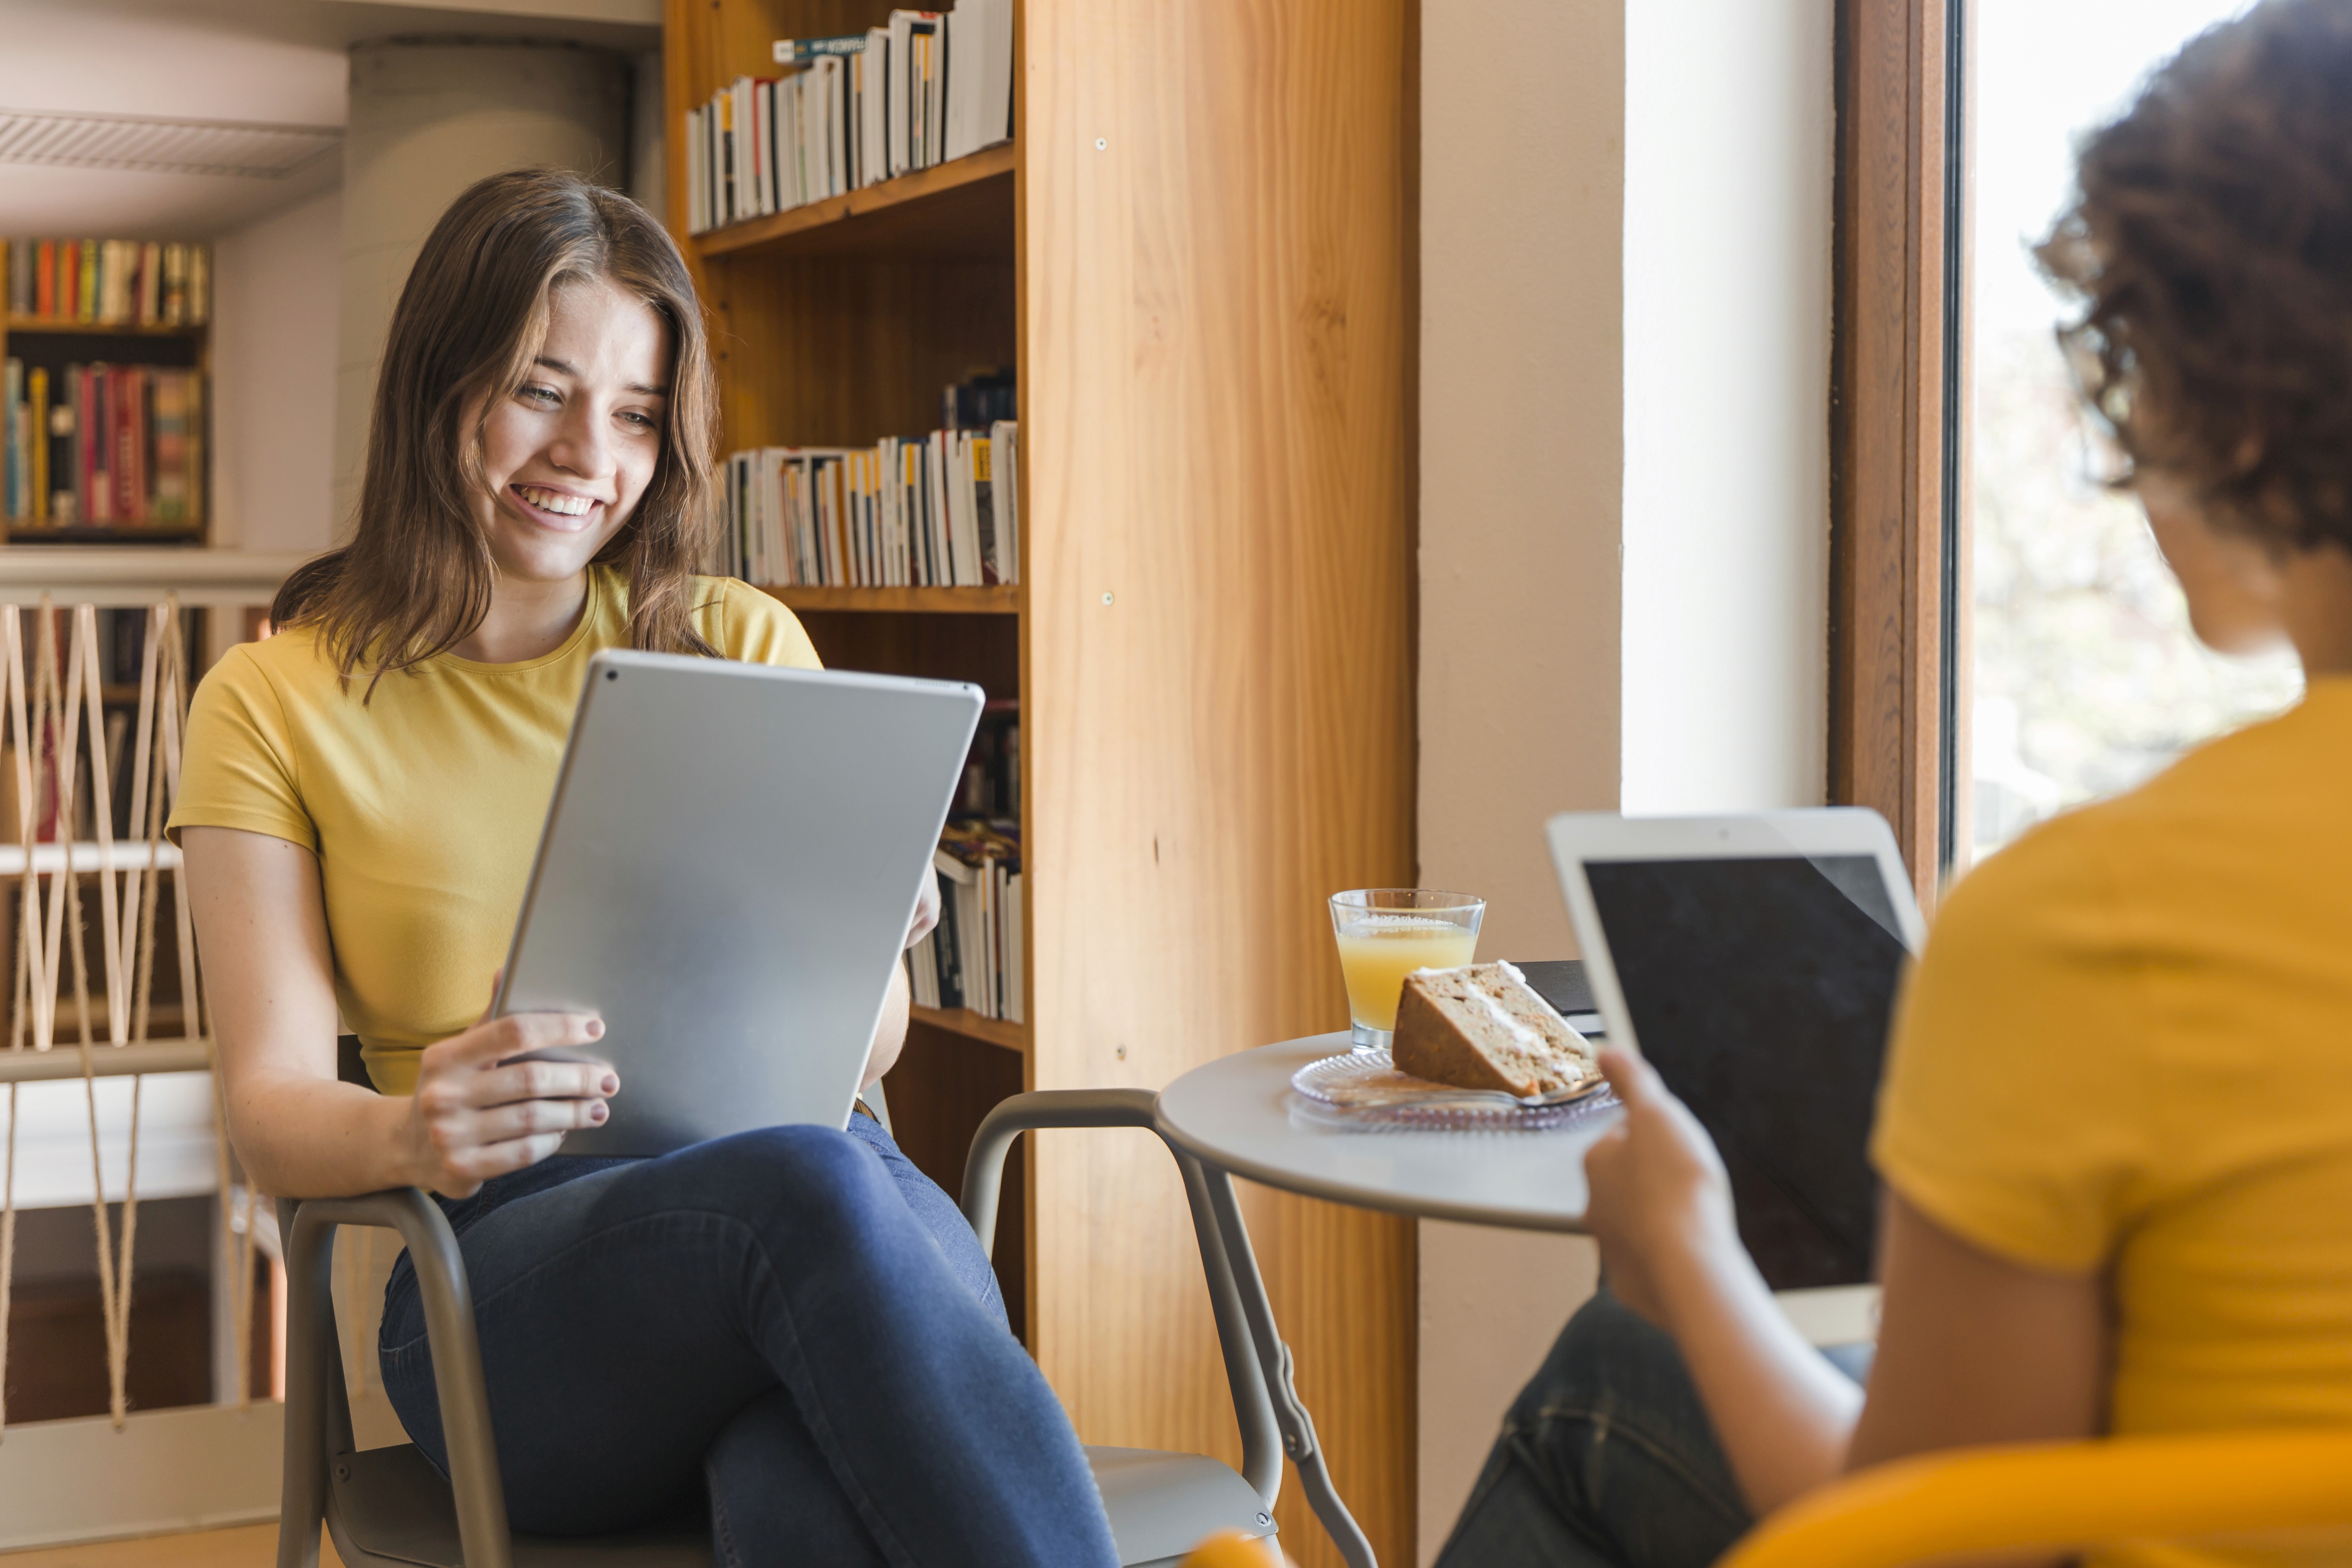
1386,933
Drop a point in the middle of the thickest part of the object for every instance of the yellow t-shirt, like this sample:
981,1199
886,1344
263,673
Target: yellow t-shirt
424,804
2128,1045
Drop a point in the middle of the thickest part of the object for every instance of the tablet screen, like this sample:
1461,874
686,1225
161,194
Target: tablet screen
1761,990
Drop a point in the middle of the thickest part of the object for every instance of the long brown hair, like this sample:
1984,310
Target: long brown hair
416,579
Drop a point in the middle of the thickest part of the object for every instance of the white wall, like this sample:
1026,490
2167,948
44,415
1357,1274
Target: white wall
276,285
1625,232
1728,173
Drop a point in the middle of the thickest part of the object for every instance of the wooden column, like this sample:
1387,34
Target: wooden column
1215,356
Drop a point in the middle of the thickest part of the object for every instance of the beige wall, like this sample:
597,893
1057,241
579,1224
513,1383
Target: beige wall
275,285
1624,500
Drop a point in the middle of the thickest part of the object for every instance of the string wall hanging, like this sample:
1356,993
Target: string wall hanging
48,744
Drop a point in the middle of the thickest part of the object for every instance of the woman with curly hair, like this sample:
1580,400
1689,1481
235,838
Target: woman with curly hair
2115,1126
794,1324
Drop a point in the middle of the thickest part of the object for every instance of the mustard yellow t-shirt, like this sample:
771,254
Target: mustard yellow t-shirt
423,803
2129,1046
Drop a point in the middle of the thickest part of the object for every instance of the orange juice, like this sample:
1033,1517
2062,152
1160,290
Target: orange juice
1378,949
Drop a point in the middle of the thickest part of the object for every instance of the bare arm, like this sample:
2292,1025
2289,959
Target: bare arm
891,1034
1973,1347
261,920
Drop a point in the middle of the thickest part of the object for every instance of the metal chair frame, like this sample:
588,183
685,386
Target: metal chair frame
388,1507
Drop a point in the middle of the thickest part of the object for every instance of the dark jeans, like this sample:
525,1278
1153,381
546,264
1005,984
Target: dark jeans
794,1320
1606,1458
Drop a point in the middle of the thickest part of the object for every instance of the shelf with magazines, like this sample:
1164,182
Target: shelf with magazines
1044,392
105,410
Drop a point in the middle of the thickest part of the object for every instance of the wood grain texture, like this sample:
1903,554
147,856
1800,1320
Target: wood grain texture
246,1546
1001,1033
842,352
1886,425
1215,346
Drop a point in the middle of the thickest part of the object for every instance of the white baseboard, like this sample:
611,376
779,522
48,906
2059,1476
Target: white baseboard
201,1468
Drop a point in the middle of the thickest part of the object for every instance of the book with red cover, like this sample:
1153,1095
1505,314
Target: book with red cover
126,390
44,280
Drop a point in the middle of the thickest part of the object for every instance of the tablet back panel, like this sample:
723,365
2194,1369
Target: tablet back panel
727,874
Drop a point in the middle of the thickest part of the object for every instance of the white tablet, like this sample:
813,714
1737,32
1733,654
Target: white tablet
1754,960
729,867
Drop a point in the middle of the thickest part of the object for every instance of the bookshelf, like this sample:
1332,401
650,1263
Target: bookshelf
52,343
1196,251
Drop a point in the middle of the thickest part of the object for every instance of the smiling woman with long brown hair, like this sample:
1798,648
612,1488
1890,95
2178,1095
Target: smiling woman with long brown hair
795,1323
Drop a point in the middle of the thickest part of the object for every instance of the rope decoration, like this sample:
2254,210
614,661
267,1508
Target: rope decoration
44,718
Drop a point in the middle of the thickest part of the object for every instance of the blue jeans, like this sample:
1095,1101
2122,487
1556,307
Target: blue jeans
1606,1458
795,1323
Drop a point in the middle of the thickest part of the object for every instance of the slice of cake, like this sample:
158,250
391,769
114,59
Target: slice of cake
1484,1027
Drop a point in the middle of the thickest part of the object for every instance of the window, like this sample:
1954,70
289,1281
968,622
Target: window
2083,677
2005,640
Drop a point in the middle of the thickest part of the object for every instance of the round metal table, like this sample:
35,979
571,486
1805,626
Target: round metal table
1238,1116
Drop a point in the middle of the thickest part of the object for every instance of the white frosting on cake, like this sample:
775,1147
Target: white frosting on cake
1526,1039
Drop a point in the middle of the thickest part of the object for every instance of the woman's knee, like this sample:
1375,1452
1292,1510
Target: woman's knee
819,1182
1606,1352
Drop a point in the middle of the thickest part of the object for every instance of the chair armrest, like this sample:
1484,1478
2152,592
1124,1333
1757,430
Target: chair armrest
2062,1496
983,1179
314,1364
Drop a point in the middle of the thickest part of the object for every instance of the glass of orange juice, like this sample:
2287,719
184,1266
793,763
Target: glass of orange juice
1386,933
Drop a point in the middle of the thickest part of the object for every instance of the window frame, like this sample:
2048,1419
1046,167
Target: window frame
1898,432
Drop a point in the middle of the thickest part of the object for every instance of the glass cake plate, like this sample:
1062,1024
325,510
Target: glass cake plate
1365,1088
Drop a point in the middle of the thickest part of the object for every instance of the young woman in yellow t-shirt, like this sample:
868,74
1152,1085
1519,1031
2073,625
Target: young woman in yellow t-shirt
794,1324
2115,1129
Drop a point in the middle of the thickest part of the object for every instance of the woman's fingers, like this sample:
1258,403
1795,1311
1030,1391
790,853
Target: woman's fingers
512,1081
515,1035
1632,1079
530,1118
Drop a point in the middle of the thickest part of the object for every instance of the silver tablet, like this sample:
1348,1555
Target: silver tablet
729,867
1755,960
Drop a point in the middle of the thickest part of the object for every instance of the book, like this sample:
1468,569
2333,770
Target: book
980,84
108,282
801,51
973,957
102,444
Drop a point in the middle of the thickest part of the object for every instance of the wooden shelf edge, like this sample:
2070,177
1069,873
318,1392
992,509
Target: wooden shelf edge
102,329
1004,599
970,169
972,1026
22,531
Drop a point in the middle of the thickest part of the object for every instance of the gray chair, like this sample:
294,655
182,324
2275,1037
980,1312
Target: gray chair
387,1508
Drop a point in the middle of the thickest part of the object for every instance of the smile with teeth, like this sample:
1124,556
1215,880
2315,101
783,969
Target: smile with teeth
555,501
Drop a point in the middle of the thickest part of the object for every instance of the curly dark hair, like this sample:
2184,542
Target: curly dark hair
2210,246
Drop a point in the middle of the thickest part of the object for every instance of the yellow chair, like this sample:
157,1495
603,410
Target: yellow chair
2064,1496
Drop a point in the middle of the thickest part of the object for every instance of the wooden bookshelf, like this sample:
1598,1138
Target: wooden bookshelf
47,326
1003,600
997,1032
53,343
1202,275
958,208
23,530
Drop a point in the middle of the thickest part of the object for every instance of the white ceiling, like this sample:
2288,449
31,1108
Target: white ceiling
267,61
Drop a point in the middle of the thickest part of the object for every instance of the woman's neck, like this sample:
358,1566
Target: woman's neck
527,620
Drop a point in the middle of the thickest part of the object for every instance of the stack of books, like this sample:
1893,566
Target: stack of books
108,282
940,511
97,444
854,111
973,957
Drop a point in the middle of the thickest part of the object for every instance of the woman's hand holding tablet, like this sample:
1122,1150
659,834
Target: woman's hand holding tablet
488,1101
